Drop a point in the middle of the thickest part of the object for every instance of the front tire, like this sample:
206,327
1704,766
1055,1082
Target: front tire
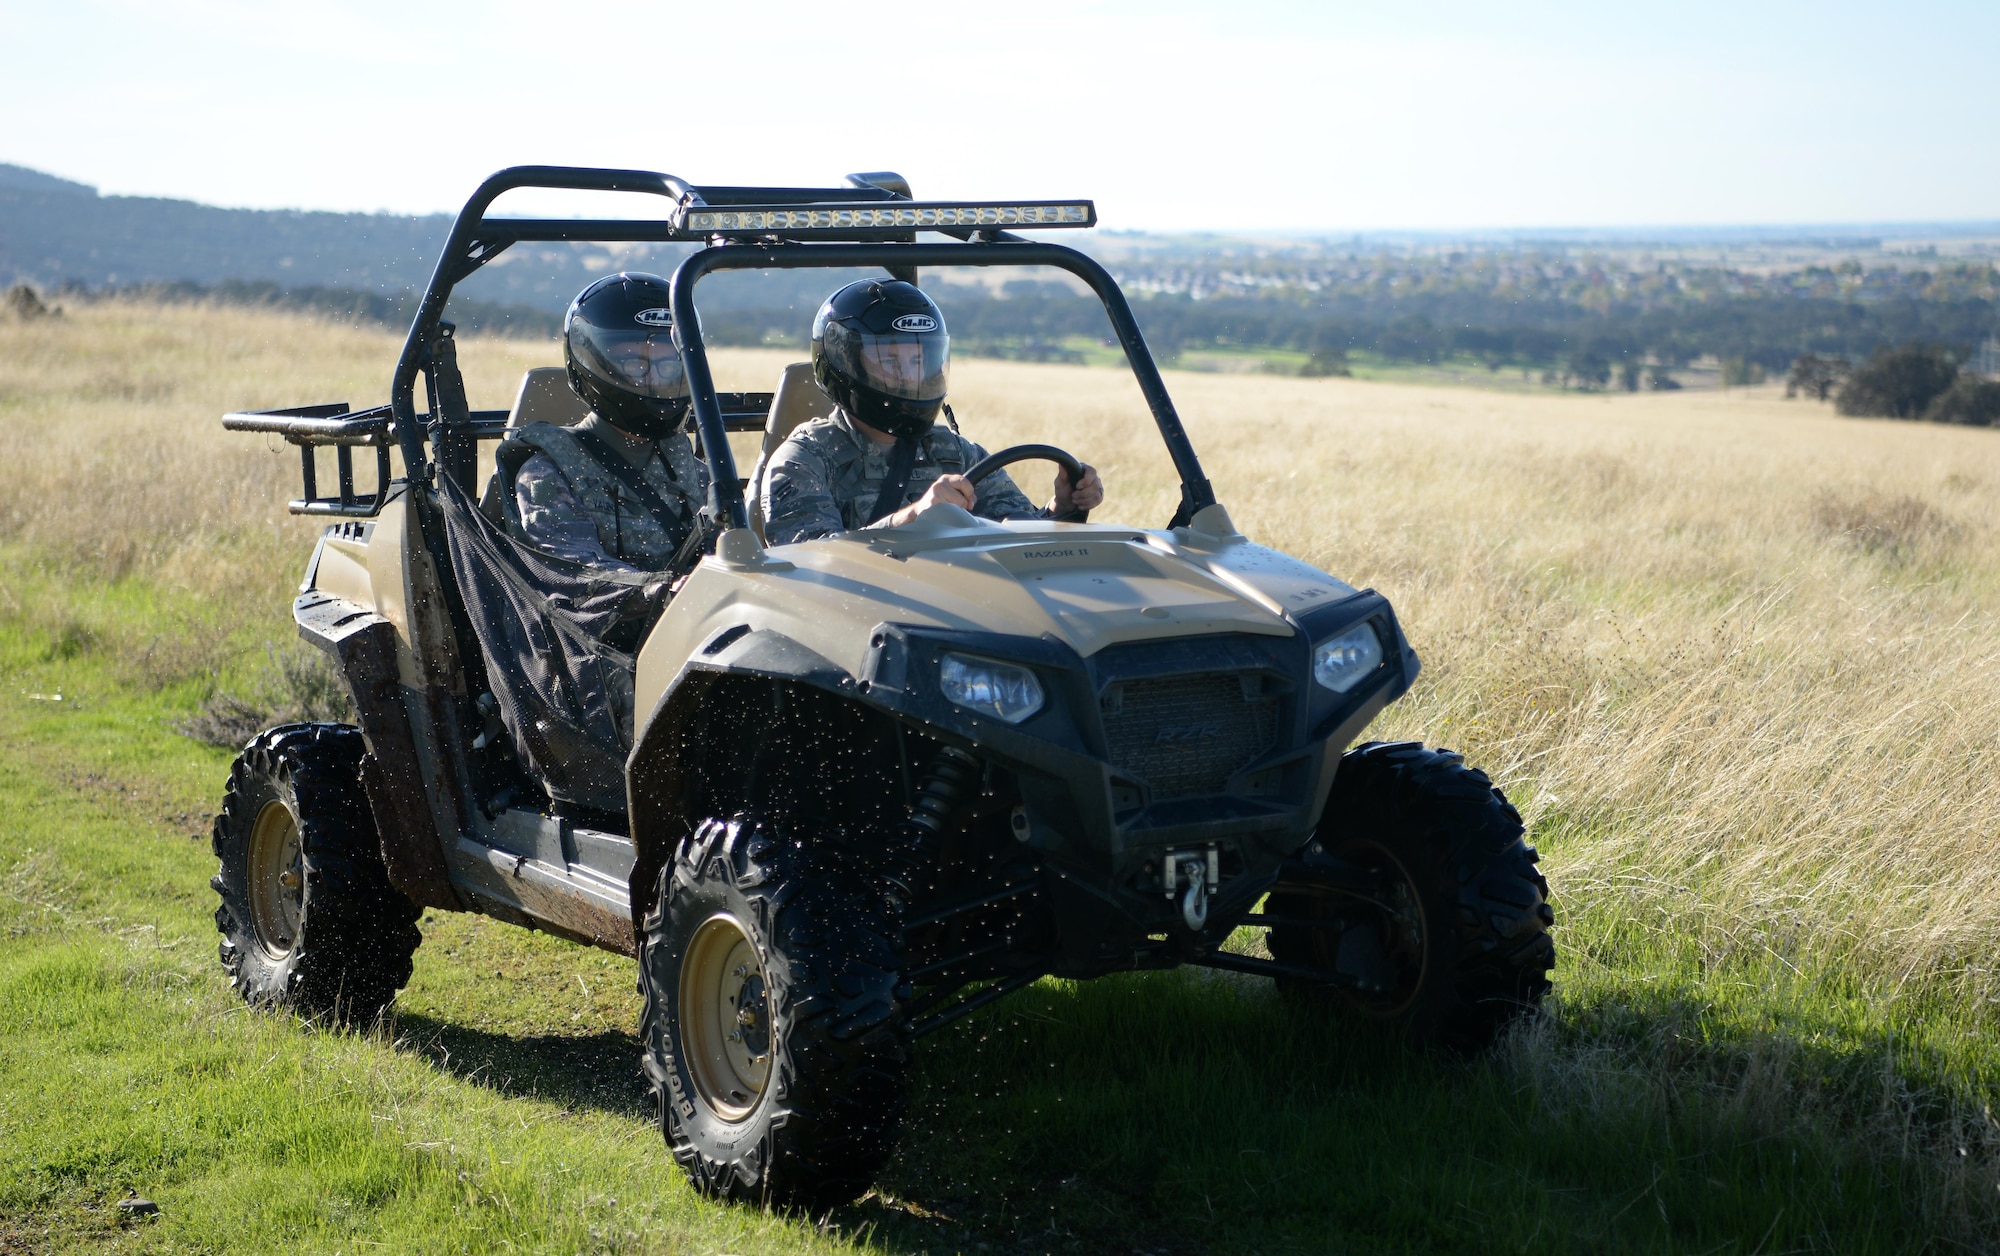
1420,893
308,918
773,1025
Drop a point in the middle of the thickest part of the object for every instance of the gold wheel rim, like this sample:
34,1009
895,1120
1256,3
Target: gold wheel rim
725,1019
1403,933
277,879
1407,934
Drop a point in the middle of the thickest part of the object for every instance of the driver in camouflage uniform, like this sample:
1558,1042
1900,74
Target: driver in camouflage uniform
621,489
880,351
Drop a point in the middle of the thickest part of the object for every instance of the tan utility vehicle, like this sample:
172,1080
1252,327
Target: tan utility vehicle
846,791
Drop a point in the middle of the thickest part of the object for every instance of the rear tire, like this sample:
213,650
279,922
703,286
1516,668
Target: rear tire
773,1028
308,918
1450,942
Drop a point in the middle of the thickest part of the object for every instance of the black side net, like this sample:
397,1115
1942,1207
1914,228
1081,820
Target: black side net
550,631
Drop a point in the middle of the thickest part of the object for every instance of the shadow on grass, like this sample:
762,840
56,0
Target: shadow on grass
1155,1113
597,1072
1181,1112
1035,1125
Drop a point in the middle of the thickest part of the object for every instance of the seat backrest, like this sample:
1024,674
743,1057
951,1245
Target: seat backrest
546,397
797,401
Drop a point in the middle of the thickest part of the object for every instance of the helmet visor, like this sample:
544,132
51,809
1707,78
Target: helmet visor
641,362
907,366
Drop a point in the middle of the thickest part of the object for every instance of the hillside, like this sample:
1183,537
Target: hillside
53,231
56,233
1586,313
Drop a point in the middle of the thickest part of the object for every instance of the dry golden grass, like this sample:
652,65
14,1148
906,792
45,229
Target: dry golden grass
1727,637
1736,657
1724,637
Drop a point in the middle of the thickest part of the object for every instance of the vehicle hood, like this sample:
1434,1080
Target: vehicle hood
1088,586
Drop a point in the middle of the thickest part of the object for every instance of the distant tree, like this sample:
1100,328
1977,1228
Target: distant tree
1815,376
1589,369
1970,400
1897,383
1628,376
1986,358
1737,372
25,302
1409,338
1326,353
1660,379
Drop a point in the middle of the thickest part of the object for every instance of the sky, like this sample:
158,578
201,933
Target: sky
1234,115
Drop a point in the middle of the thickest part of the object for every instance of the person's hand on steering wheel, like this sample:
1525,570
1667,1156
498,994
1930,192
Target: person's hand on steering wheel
1087,494
953,489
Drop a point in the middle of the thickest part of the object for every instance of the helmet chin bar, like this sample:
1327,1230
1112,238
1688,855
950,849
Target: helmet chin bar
899,418
652,419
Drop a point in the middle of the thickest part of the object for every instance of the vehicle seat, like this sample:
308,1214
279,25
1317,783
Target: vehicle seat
798,400
545,397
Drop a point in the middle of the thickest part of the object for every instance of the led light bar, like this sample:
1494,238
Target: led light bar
891,216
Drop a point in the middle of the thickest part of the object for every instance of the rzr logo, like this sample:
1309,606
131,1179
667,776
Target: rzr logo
656,317
915,322
1178,734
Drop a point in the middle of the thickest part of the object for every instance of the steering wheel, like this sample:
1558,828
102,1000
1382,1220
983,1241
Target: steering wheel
1026,453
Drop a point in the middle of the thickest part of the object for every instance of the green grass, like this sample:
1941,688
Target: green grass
1680,1099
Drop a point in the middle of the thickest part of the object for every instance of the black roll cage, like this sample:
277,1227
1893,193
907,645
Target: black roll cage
477,239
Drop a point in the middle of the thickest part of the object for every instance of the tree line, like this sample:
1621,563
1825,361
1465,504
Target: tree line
1909,349
1916,381
349,305
1595,345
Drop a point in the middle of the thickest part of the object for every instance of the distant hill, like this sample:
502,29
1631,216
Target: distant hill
56,233
35,181
1584,309
53,231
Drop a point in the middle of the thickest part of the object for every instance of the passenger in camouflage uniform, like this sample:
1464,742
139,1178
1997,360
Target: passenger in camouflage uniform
880,351
622,489
566,502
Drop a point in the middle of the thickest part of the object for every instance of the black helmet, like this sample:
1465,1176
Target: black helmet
880,351
618,341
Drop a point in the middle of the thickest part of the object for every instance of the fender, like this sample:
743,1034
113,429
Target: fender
362,646
656,784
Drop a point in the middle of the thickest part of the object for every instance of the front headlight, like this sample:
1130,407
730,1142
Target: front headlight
998,689
1348,659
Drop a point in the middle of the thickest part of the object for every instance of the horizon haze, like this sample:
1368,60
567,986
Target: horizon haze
1277,117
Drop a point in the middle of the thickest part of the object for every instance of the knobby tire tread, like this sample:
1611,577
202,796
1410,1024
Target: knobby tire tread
358,934
1458,828
833,953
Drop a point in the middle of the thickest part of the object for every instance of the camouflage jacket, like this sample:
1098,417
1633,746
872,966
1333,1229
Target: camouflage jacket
565,502
826,476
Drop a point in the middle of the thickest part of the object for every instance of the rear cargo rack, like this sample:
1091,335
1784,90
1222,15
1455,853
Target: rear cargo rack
310,427
335,425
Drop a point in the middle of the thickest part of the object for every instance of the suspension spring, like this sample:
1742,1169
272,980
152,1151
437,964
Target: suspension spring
952,775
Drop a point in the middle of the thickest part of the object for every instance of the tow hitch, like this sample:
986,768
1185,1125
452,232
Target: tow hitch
1191,875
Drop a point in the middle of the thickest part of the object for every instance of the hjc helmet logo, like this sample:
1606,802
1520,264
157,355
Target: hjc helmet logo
915,322
657,317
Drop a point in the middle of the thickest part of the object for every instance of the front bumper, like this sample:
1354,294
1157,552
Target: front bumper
1188,744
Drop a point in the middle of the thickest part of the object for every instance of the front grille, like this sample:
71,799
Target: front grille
1187,735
